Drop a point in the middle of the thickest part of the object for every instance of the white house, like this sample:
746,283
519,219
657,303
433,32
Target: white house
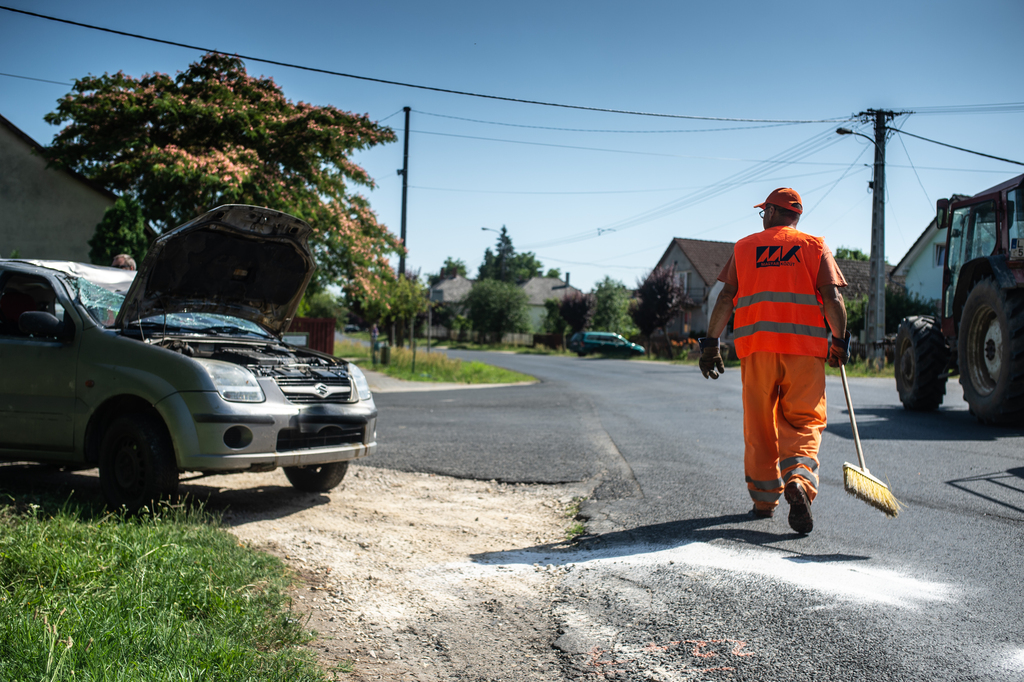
540,289
44,212
697,263
921,267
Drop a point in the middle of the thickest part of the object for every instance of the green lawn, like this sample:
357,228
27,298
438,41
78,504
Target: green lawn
432,366
86,595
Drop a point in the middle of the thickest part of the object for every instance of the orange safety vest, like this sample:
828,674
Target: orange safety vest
778,307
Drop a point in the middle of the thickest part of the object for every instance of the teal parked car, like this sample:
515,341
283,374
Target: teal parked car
605,343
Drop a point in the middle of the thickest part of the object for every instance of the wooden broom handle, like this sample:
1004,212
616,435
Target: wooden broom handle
853,420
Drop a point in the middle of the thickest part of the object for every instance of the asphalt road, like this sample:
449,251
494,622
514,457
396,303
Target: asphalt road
676,582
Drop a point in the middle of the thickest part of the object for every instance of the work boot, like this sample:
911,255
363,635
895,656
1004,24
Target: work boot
759,513
800,518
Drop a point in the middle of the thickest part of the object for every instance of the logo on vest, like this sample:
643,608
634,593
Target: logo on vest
773,257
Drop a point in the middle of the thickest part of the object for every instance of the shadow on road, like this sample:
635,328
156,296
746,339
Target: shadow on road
896,423
661,536
987,486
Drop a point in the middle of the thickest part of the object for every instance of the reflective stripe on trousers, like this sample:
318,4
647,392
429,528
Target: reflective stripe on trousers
783,417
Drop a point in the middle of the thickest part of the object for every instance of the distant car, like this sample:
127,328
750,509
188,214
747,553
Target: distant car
179,367
351,328
606,343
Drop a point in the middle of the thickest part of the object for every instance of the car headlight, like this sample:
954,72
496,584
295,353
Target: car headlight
234,383
359,379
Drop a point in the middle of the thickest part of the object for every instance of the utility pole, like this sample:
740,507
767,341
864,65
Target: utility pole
875,326
876,299
404,172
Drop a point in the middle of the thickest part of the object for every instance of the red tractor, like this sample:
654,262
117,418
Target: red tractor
980,334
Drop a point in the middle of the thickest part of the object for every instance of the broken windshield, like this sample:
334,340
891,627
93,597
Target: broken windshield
104,304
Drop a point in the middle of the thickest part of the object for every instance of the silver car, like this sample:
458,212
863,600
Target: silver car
179,367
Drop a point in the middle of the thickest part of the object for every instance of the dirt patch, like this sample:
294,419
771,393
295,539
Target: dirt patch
418,576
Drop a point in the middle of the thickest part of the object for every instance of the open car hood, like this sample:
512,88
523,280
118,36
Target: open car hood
244,261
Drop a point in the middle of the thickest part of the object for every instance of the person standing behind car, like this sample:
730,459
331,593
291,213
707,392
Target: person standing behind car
123,261
779,282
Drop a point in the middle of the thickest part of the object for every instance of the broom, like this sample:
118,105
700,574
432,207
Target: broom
859,482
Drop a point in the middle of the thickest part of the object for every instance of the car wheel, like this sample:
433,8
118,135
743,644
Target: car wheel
318,478
137,465
991,353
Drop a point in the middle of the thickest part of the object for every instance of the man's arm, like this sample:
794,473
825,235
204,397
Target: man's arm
835,309
723,310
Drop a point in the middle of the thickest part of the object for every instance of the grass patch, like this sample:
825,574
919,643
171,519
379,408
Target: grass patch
439,367
572,510
166,596
861,368
575,530
521,350
352,350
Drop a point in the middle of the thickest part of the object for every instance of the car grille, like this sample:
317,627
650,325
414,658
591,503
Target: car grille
331,436
308,390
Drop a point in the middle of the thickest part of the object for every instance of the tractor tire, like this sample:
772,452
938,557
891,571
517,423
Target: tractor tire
991,353
921,358
137,465
317,478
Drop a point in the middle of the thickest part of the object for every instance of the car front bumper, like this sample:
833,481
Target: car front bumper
210,434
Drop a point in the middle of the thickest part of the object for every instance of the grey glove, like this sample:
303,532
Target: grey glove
711,364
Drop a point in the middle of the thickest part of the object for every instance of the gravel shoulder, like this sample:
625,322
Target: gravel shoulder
400,575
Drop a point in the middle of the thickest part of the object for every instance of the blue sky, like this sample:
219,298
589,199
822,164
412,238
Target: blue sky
596,193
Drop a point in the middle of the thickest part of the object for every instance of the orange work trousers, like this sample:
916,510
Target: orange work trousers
783,417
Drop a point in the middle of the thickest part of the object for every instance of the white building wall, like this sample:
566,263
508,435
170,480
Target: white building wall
44,213
924,276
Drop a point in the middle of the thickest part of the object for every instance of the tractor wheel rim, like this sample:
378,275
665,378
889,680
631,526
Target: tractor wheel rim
984,350
993,349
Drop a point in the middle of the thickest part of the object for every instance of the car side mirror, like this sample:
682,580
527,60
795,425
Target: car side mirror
38,323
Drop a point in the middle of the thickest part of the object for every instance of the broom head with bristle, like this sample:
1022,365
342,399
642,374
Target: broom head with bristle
864,486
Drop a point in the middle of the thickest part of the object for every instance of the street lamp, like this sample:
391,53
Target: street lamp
502,248
876,294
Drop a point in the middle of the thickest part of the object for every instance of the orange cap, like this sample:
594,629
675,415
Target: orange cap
786,198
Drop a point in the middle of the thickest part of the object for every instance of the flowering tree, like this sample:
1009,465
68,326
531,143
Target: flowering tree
214,135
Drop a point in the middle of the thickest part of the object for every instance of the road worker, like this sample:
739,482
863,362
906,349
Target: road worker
784,286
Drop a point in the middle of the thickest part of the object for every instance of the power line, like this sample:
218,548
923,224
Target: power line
383,81
907,152
943,144
602,191
599,149
30,78
598,130
792,155
1006,108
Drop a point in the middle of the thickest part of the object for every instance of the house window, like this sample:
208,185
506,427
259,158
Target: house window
940,255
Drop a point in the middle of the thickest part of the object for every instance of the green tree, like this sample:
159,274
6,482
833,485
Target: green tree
214,135
555,273
611,313
121,230
497,308
844,253
553,322
899,303
323,304
505,265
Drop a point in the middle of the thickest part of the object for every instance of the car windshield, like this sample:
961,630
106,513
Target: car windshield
104,304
